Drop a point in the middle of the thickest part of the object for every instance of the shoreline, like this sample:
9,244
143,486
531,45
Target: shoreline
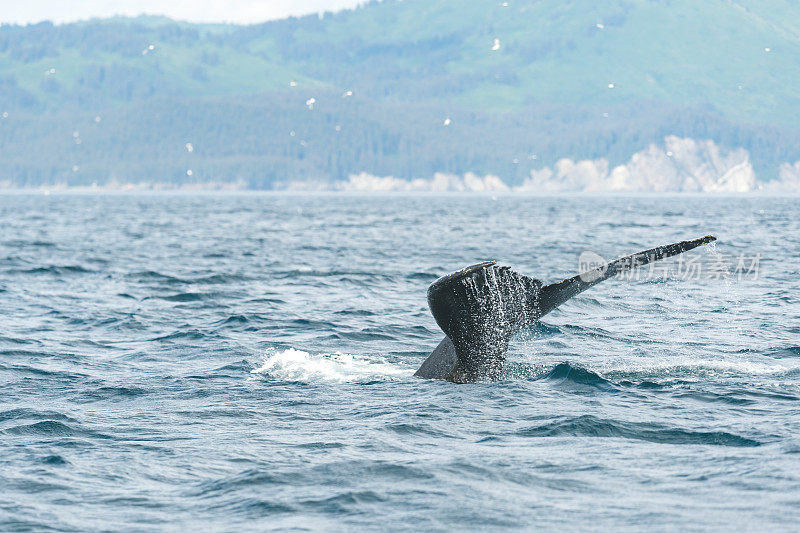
211,191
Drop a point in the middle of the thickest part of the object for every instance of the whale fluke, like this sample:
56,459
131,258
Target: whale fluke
481,307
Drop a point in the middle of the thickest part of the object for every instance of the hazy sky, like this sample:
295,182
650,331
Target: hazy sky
242,11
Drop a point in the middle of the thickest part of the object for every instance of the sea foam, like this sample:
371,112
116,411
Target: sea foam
297,365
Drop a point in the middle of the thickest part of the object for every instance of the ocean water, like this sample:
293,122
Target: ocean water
244,362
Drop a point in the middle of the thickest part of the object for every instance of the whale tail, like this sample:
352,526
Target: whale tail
482,306
557,293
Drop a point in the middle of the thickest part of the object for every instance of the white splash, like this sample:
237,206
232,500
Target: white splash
297,365
700,367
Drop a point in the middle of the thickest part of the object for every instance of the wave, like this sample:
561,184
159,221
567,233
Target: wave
217,279
114,392
54,460
784,353
232,370
566,375
388,332
250,507
60,270
62,375
152,275
430,277
19,243
210,279
192,334
238,366
591,426
417,429
183,297
297,365
246,479
17,340
318,273
48,428
651,375
714,397
343,503
698,368
32,414
362,336
540,329
355,312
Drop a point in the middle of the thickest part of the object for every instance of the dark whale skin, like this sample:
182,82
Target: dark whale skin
481,307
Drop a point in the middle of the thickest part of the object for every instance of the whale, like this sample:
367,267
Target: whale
481,307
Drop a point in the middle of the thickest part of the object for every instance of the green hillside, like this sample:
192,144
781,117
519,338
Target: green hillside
580,79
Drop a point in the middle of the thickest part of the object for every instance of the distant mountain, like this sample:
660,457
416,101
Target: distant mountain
401,88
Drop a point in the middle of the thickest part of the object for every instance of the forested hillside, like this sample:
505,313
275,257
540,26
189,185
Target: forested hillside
402,88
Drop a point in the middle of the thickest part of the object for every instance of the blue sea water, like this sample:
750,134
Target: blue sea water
244,362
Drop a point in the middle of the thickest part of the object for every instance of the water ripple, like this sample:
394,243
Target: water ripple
221,362
590,426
